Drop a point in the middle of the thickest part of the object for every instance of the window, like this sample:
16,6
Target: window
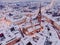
2,37
29,43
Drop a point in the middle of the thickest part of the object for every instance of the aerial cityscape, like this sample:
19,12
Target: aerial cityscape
29,22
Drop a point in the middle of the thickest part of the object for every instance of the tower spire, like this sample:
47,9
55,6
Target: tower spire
39,15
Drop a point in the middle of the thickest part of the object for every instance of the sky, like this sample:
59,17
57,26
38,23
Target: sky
25,0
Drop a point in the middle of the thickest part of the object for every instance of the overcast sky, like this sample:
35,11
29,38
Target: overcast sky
25,0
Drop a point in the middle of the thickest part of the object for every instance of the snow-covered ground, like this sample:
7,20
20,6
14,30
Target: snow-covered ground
18,20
